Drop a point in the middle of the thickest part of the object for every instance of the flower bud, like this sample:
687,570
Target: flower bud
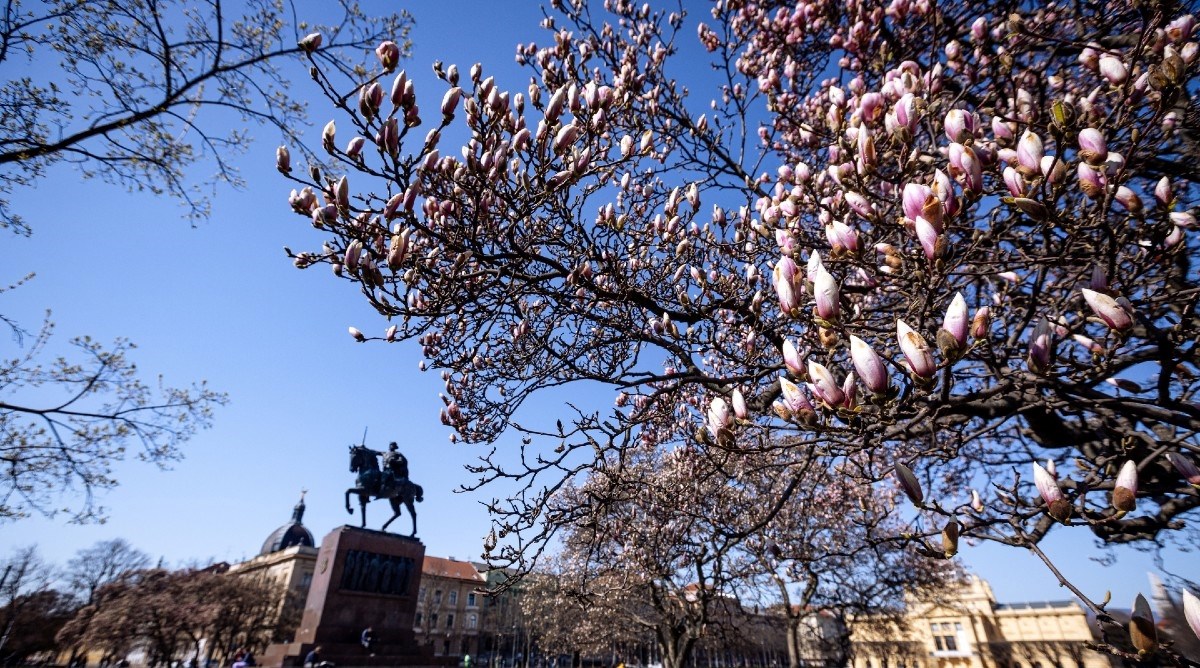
358,336
355,147
1041,347
910,485
825,291
389,55
916,351
1191,611
981,323
310,43
283,160
1092,147
952,337
868,365
328,135
792,359
1113,69
1107,309
1029,154
1124,496
950,538
1143,635
1186,468
1056,504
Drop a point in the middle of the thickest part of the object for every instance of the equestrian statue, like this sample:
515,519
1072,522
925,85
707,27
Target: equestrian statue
390,483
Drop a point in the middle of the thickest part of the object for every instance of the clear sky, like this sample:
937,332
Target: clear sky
221,302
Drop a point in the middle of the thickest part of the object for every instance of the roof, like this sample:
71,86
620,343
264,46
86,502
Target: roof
450,568
1036,605
289,535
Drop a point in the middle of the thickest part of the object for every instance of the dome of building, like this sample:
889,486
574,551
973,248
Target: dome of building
289,535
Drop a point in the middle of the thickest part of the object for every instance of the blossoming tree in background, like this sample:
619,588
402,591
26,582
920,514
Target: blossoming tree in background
935,244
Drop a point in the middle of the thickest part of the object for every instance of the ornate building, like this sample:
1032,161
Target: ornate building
288,558
972,630
449,607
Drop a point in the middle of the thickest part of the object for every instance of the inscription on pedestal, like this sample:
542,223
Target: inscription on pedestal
374,573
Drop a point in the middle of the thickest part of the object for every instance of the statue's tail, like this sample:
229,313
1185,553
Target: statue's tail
418,493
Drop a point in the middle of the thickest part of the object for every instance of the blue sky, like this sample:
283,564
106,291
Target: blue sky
221,302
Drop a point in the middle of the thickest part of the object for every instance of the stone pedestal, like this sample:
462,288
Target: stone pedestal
363,579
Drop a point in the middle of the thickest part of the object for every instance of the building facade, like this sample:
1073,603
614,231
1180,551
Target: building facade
971,630
287,560
450,607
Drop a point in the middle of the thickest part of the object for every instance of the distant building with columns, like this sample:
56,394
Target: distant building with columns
971,630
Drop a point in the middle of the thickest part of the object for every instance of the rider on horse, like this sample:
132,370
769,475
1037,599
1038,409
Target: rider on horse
395,467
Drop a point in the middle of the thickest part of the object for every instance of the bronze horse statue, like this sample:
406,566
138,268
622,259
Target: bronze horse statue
372,482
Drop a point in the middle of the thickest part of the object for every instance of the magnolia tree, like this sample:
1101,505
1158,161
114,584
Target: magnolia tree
937,243
824,563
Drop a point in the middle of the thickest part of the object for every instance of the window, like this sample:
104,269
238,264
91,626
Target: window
450,621
421,595
453,597
306,580
418,619
471,599
944,638
437,596
472,621
433,620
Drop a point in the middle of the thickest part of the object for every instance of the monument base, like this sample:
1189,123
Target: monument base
363,579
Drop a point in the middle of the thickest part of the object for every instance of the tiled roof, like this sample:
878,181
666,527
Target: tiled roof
450,568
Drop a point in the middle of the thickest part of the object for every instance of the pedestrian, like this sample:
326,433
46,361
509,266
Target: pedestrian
368,640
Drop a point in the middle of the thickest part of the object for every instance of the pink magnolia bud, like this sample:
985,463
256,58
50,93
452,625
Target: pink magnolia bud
793,398
1113,69
450,101
868,365
952,337
824,386
328,136
849,392
916,351
959,125
914,198
1001,130
1092,147
1107,309
398,87
943,189
1124,496
1057,505
906,112
871,106
739,405
1186,467
981,323
976,502
358,336
1162,191
1014,182
389,55
1180,29
841,236
1128,199
1041,347
1183,219
310,43
825,291
860,205
283,160
355,147
792,359
927,234
784,278
720,418
1143,634
1091,182
1029,153
1191,611
972,170
909,485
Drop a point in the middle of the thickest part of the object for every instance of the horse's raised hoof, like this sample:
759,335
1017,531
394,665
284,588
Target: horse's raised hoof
349,511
